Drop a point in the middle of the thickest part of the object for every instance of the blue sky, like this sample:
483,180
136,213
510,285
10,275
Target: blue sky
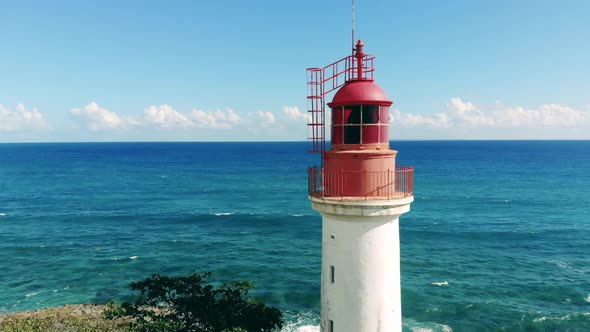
235,70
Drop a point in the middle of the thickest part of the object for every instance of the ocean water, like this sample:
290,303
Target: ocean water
498,238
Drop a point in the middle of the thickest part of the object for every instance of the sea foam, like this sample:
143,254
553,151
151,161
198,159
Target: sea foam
223,214
2,214
544,318
561,264
301,322
587,298
439,327
309,328
440,283
426,327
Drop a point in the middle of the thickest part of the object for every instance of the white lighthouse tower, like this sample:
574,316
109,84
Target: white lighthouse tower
360,193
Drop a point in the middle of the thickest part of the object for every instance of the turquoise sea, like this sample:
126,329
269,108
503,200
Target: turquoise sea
498,238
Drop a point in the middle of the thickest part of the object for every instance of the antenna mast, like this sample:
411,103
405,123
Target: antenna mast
352,27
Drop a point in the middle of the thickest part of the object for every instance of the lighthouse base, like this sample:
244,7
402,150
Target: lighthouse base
361,288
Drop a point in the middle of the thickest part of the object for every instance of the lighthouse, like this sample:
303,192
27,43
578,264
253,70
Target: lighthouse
360,193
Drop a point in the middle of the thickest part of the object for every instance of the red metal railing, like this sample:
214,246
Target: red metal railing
320,82
340,184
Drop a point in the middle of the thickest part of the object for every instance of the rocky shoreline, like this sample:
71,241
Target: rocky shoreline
68,318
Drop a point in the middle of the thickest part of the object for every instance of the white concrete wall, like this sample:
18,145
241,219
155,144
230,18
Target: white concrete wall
366,293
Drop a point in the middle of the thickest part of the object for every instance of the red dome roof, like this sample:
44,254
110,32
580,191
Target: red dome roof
359,92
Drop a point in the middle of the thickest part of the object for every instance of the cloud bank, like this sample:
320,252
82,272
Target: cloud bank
162,117
217,120
97,118
459,119
460,114
165,117
293,112
265,118
21,120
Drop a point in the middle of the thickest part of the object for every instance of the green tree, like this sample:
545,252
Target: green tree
189,303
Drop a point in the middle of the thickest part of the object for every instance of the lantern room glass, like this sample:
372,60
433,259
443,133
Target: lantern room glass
360,124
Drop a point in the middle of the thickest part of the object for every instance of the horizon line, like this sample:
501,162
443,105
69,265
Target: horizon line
302,141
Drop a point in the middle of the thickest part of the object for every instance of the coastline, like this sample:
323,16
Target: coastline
70,317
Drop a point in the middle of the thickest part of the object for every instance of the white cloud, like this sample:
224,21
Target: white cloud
232,117
516,117
217,119
438,120
21,119
162,117
561,115
462,114
165,117
469,114
294,113
98,118
266,118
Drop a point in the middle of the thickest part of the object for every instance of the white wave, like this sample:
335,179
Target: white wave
31,294
561,264
440,283
2,214
301,322
587,298
435,328
296,215
223,214
308,328
565,317
134,257
544,318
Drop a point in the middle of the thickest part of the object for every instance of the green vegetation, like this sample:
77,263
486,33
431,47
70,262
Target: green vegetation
190,304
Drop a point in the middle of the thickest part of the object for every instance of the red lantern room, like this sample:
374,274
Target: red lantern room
360,112
359,163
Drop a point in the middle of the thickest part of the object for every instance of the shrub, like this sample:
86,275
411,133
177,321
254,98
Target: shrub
189,303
